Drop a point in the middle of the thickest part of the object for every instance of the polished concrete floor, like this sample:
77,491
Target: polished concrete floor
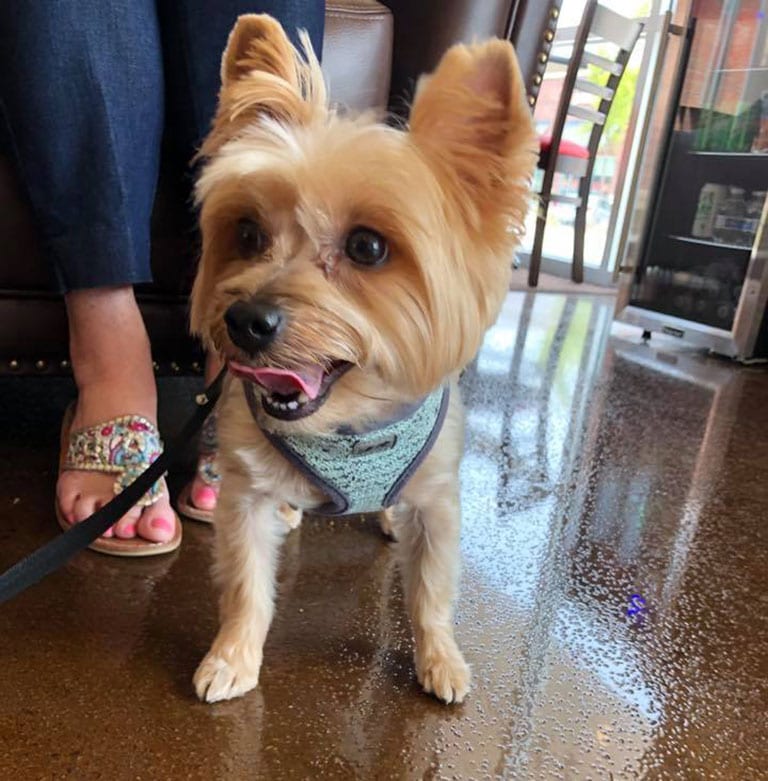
596,469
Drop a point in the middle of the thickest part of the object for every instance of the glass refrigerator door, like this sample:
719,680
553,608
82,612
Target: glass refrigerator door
712,196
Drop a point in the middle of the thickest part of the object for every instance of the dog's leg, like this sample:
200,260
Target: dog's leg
429,558
248,536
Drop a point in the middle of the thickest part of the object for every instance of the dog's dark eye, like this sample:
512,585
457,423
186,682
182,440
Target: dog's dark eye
366,247
251,238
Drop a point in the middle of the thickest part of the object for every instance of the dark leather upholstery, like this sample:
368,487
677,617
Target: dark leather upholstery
424,29
358,60
358,52
532,32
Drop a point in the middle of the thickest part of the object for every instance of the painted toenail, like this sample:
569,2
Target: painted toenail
205,495
130,530
161,524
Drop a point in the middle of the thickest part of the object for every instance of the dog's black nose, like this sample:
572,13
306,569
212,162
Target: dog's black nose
253,325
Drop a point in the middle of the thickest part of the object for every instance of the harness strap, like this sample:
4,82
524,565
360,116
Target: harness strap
361,471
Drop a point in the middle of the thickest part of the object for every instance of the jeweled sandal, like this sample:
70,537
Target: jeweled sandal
125,447
207,471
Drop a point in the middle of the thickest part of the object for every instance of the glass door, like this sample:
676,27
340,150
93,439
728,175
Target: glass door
712,198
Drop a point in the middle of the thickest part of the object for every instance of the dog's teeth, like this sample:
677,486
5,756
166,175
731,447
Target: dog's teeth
293,405
282,405
302,398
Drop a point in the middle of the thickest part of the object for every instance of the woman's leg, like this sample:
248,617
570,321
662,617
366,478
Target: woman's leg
194,34
81,92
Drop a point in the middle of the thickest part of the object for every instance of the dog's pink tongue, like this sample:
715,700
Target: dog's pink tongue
287,381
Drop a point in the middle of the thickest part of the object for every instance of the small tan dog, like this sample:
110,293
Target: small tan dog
349,272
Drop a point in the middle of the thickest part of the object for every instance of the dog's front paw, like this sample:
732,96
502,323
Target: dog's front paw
218,678
444,673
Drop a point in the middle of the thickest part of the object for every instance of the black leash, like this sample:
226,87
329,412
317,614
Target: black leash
58,551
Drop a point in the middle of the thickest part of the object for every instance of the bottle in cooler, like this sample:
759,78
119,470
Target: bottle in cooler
728,226
711,198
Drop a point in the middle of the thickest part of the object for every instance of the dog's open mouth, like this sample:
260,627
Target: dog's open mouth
290,394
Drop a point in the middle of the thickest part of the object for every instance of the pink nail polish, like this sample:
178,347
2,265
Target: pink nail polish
130,531
205,497
161,524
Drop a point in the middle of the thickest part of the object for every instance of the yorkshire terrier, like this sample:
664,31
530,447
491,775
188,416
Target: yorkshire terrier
349,271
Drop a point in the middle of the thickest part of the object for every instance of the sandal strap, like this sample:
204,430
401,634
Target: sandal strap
207,448
124,446
208,469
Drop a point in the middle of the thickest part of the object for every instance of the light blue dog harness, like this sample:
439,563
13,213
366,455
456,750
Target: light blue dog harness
361,472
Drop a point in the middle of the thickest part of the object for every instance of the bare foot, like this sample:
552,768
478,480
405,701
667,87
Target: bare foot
112,364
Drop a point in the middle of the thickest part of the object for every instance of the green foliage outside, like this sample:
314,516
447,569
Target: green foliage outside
618,119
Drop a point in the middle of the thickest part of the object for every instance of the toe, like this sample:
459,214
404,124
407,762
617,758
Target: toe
83,507
77,495
159,528
67,506
126,527
204,496
157,523
67,496
81,494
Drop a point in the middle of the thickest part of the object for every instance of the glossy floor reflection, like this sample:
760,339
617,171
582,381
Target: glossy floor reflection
596,468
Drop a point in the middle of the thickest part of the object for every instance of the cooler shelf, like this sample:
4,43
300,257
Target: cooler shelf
739,155
710,243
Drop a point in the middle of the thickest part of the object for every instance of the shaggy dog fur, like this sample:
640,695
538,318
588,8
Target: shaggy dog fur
286,180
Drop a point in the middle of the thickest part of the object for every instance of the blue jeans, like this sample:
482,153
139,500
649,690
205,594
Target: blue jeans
87,88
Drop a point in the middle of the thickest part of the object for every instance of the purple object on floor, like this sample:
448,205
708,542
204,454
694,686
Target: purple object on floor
637,605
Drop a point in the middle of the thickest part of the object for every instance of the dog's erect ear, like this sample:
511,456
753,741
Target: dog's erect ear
262,74
258,43
471,119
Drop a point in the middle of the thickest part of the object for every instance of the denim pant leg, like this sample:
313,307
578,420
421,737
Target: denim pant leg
81,94
194,34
